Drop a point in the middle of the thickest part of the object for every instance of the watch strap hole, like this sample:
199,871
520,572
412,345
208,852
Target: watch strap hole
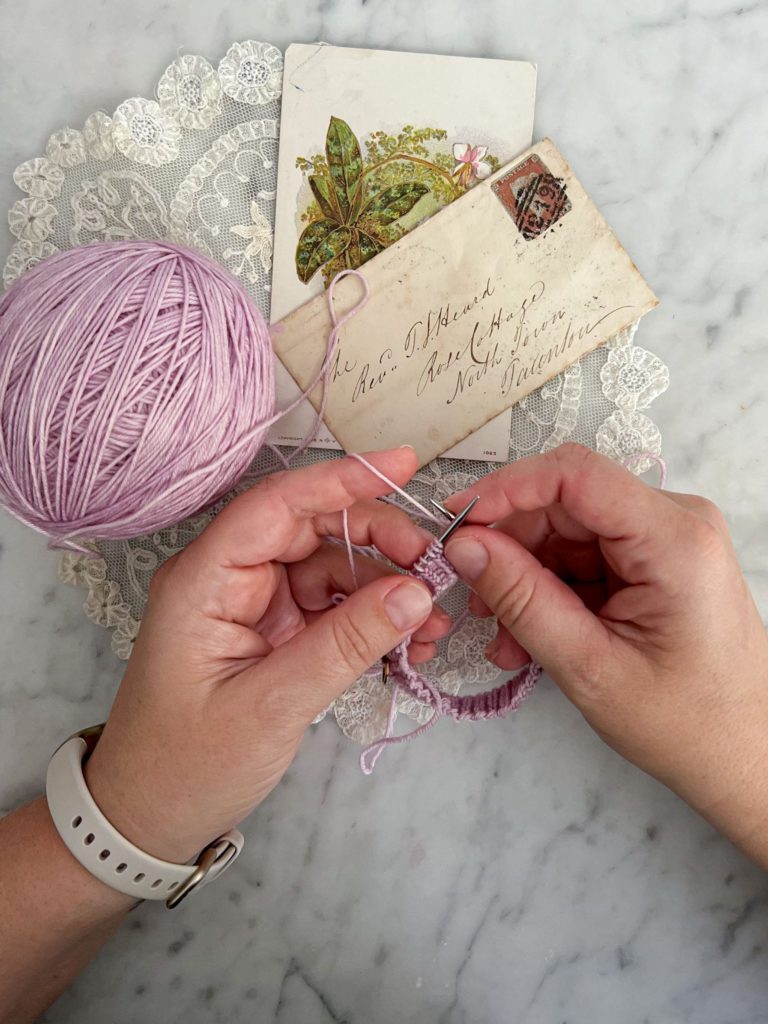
108,855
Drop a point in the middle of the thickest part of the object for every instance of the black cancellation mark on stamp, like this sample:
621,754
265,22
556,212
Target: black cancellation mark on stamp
533,197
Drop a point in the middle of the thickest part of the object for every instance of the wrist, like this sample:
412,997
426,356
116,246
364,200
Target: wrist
134,807
106,852
733,794
55,914
78,894
744,820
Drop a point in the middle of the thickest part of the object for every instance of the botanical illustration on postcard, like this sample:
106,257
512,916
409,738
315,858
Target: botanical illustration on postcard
372,144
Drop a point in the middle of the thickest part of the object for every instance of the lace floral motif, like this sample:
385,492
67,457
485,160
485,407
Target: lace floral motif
258,236
98,135
632,377
144,133
104,604
202,172
124,637
40,178
467,648
252,72
629,433
31,220
362,711
66,147
190,92
81,571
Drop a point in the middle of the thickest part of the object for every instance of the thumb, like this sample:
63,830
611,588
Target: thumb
328,656
540,611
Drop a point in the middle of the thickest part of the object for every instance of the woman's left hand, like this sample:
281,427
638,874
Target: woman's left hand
241,647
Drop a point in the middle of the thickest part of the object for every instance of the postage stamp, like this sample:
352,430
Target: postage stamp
534,198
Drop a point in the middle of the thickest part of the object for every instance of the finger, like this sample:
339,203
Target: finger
541,612
317,579
228,650
478,607
638,526
260,524
283,618
704,509
505,652
331,653
593,595
377,524
418,652
533,528
243,596
572,561
508,654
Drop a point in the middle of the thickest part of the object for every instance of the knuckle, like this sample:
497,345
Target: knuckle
705,537
709,511
271,482
574,456
351,641
588,671
595,686
516,599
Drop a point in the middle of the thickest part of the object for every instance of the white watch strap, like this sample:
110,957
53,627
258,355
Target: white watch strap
110,856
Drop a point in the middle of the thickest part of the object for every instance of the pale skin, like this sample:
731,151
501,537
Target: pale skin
631,599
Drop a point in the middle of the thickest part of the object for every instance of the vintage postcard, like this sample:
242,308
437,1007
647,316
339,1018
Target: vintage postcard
373,143
504,289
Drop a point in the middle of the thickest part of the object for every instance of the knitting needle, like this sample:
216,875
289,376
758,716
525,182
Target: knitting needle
455,523
458,520
441,508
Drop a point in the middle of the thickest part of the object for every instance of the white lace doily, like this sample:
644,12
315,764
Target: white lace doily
197,165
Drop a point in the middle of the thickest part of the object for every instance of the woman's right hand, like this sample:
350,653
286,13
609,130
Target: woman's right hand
633,601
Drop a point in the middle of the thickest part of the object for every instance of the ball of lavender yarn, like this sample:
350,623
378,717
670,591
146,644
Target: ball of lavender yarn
136,384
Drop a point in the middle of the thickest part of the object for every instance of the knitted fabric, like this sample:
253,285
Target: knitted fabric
439,575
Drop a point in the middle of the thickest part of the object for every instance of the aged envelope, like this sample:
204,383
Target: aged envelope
415,129
476,308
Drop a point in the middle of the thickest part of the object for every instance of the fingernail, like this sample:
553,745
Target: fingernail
408,446
408,605
468,556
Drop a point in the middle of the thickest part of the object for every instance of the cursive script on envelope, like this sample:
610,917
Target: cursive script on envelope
470,312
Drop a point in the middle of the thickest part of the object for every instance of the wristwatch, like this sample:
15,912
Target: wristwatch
108,855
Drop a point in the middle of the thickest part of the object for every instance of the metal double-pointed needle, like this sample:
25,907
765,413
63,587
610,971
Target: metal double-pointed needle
456,520
455,523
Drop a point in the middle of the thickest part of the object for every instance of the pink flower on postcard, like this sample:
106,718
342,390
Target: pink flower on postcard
469,163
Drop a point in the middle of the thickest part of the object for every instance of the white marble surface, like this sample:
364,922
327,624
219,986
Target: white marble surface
506,872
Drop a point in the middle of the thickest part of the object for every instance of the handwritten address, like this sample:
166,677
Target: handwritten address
494,337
